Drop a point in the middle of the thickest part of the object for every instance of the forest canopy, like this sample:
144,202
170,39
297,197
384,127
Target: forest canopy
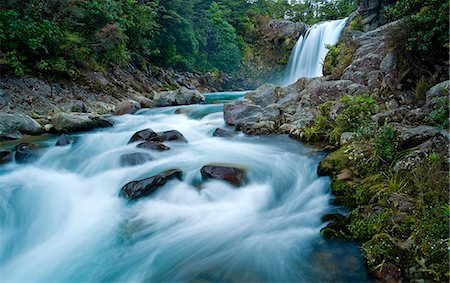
64,36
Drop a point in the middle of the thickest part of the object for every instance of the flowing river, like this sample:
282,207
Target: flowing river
62,220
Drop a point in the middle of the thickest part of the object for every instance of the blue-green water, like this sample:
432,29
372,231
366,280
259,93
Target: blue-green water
61,219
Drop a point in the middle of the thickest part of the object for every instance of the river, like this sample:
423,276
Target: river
62,220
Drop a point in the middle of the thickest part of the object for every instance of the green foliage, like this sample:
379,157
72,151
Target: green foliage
440,115
423,85
385,147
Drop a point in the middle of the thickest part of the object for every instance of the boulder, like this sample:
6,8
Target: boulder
127,107
142,135
232,175
74,122
436,93
181,96
276,31
412,136
153,145
6,156
222,133
63,140
26,152
172,135
137,189
135,158
13,125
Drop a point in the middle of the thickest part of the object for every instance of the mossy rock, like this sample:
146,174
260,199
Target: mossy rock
333,162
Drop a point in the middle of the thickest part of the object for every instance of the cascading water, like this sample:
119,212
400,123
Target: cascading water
61,219
309,52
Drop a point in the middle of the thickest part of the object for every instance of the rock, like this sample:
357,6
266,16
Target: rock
172,135
232,175
144,101
436,92
142,135
74,122
153,145
127,107
346,138
13,125
63,140
232,111
181,96
345,174
135,158
277,31
402,202
79,106
222,133
137,189
26,152
48,127
413,136
6,156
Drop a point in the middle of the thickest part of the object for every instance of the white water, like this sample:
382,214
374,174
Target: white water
61,219
306,59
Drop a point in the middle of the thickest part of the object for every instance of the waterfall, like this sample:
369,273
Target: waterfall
309,52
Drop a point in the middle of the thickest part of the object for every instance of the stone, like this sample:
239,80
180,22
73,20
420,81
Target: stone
172,135
137,189
75,122
13,125
142,135
222,133
181,96
412,136
402,202
48,127
26,152
153,145
127,107
63,140
232,175
6,156
135,158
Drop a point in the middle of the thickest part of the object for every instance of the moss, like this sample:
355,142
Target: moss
339,57
355,24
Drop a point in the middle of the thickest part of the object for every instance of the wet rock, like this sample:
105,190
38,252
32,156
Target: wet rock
142,135
222,133
240,111
172,135
135,158
181,96
13,125
232,175
6,156
26,152
63,140
153,145
137,189
74,122
127,107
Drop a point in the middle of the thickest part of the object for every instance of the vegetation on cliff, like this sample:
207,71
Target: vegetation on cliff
64,36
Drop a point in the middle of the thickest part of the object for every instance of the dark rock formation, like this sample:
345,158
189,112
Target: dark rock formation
26,152
142,135
135,158
172,135
63,140
153,145
137,189
232,175
222,133
6,156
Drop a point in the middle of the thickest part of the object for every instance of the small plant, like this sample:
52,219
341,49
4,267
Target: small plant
385,145
440,115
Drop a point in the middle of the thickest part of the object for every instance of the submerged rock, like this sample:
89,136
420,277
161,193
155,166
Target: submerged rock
13,125
172,135
135,158
222,133
6,156
137,189
232,175
26,152
181,96
142,135
152,145
74,122
63,140
127,107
